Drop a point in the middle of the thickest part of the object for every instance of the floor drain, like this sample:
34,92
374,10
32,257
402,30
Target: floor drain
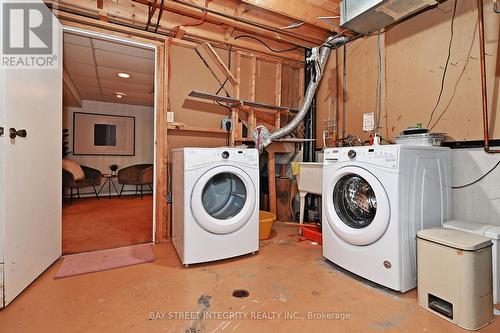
240,293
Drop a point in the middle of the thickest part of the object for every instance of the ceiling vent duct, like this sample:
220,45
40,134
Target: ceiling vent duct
364,16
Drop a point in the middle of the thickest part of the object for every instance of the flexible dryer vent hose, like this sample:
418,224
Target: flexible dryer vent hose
319,58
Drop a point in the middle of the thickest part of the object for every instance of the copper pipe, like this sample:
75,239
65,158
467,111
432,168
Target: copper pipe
337,97
484,92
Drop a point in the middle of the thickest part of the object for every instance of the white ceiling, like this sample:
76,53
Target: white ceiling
93,65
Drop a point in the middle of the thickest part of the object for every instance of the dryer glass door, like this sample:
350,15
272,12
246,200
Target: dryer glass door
358,209
223,199
224,195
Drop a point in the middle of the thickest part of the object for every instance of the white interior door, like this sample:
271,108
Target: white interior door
30,167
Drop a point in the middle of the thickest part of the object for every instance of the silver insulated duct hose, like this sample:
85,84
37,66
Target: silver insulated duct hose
319,57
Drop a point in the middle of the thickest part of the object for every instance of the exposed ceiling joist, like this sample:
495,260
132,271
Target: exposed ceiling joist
307,11
133,20
237,21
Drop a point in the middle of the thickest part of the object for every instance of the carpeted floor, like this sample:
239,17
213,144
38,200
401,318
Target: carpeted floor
90,224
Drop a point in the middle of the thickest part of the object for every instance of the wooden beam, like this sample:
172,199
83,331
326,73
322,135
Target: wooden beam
218,61
229,33
131,25
71,87
163,230
305,11
253,78
271,175
278,78
240,10
183,127
277,91
249,27
234,111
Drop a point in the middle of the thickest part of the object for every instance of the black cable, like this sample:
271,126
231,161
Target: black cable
224,83
159,16
443,78
263,43
477,180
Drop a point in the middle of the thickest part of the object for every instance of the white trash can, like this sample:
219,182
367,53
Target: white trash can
454,276
489,231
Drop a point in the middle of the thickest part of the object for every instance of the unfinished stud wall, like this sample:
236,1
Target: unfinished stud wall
188,73
202,118
413,57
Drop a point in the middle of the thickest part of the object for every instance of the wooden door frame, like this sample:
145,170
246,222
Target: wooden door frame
161,220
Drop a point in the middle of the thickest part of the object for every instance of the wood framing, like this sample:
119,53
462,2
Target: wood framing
220,64
162,216
134,16
305,11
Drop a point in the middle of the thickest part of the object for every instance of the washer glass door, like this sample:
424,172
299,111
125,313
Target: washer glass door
223,199
358,207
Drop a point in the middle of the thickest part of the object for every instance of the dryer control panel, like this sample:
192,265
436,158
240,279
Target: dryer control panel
202,156
385,156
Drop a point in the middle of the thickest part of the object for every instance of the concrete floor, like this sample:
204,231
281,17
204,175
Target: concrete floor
90,224
285,276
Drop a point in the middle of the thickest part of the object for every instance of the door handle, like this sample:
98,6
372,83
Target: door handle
20,133
1,131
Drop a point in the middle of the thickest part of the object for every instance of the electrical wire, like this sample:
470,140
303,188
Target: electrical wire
228,129
457,82
479,179
443,78
267,46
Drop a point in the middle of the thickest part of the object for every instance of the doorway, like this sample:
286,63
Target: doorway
109,112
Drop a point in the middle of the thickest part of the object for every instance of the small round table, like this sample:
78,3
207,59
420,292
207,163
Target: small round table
108,179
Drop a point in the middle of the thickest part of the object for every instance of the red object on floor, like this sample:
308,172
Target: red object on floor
312,232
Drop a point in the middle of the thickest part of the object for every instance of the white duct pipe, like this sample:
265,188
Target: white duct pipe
319,58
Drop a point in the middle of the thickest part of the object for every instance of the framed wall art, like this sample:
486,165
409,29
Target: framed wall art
103,134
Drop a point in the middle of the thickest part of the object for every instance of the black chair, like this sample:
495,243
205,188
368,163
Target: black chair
136,175
93,178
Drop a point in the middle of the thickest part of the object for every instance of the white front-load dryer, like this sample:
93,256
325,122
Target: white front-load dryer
375,199
215,203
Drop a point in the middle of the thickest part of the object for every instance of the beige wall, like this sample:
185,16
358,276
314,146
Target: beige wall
144,133
413,56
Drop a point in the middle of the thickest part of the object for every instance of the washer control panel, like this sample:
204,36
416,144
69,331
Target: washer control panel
385,156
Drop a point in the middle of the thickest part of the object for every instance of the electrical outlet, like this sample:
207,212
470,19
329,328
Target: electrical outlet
170,117
226,124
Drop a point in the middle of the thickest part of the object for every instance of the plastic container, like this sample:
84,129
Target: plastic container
312,232
424,139
454,276
266,220
489,231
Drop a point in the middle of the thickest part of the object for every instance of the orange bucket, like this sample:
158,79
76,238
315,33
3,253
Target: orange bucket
266,220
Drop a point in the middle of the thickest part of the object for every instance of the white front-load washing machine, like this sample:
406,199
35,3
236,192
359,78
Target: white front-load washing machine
215,203
375,199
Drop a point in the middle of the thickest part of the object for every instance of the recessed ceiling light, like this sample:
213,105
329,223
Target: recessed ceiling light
124,75
120,94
